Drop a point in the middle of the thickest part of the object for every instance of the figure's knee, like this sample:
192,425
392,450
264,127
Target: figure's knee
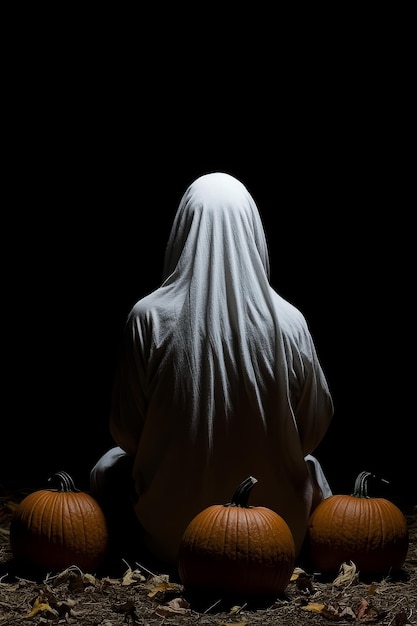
112,475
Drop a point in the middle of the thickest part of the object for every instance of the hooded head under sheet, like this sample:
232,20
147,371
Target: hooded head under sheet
219,377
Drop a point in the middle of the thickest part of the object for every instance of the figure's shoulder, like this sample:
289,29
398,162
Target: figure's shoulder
152,305
292,321
144,305
287,311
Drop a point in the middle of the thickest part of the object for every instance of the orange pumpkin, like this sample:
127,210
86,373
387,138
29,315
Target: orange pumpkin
53,529
236,549
370,531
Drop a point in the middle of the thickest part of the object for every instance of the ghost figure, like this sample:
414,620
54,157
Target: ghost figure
218,379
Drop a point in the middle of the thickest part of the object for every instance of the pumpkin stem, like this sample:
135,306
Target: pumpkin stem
360,489
63,480
242,493
362,484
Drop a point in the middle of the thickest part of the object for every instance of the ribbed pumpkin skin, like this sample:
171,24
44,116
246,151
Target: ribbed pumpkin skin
371,532
56,529
237,550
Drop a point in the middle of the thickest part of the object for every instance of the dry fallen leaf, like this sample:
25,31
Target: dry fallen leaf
347,612
177,606
297,573
348,575
41,607
303,581
75,577
313,607
132,576
368,613
161,584
330,612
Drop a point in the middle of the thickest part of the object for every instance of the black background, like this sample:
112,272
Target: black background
104,134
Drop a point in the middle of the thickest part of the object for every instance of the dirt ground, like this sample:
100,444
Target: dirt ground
132,595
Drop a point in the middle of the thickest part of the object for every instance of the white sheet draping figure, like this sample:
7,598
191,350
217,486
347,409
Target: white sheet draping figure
219,378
